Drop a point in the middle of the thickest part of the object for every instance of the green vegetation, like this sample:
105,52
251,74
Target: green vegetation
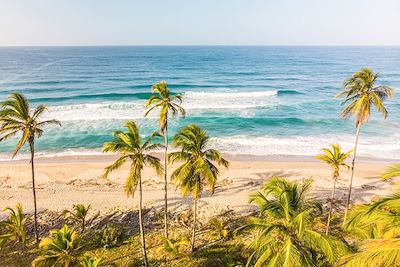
79,215
14,227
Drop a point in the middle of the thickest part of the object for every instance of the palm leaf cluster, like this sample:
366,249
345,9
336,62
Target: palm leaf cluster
378,227
14,228
284,234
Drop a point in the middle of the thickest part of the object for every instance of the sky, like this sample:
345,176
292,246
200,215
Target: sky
199,22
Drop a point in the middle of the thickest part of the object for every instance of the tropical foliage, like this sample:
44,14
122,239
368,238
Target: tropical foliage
14,228
130,147
168,104
16,117
198,169
62,248
79,214
361,95
377,225
285,234
336,159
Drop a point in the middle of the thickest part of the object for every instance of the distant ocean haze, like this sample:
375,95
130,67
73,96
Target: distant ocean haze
252,100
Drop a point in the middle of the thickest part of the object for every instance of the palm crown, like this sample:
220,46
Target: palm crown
335,158
165,101
198,168
361,94
130,147
15,117
285,235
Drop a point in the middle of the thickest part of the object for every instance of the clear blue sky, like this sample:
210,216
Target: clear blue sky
199,22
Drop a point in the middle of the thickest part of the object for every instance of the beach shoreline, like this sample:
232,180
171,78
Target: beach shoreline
67,180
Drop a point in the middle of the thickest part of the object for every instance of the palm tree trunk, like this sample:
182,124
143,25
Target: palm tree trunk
141,223
331,205
166,181
194,223
352,175
32,148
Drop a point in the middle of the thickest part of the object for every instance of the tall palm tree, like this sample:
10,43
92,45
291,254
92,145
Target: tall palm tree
335,158
361,94
198,169
129,146
167,104
284,232
16,117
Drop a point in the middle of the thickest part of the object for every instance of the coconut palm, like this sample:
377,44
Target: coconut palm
168,104
14,227
198,169
130,147
378,226
284,232
392,171
79,214
361,95
335,158
16,117
61,249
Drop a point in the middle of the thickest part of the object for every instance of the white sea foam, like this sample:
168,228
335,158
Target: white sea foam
194,103
269,145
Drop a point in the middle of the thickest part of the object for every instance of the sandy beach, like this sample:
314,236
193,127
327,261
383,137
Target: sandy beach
64,181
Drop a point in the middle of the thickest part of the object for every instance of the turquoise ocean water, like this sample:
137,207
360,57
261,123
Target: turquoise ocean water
252,100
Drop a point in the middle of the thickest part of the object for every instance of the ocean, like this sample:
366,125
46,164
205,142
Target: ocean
256,100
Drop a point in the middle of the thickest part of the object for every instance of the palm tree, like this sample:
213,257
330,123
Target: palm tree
166,103
198,169
284,232
130,147
16,117
79,214
361,94
335,158
378,226
392,171
15,226
62,249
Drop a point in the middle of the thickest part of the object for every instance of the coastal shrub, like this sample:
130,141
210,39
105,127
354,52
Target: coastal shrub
175,246
62,248
14,228
110,236
219,228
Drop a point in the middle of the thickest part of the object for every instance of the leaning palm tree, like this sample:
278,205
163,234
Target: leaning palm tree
131,148
167,104
198,169
361,94
16,117
335,158
284,231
